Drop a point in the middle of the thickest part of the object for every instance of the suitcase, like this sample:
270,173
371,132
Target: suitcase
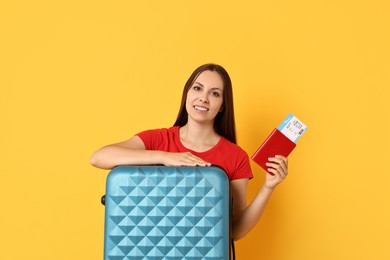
161,212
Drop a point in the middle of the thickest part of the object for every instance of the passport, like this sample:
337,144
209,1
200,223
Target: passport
281,141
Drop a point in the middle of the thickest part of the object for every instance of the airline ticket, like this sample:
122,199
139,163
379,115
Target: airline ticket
292,128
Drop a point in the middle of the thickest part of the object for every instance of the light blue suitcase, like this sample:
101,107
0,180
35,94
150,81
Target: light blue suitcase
160,212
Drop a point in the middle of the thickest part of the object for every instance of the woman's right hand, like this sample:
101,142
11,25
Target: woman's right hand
133,152
182,159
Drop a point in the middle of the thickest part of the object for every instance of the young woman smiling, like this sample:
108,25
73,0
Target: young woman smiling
203,134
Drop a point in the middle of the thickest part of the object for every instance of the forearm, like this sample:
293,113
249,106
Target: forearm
244,221
112,155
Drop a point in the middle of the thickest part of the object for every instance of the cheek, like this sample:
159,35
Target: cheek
187,106
189,96
188,102
220,103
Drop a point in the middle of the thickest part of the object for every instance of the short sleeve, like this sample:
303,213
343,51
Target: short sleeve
243,167
151,138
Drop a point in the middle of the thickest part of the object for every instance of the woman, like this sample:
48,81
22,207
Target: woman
203,134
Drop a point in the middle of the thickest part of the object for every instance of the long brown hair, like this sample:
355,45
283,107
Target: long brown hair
224,123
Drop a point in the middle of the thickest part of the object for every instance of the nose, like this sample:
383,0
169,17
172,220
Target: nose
204,100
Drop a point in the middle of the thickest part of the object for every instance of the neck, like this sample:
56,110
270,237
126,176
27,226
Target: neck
198,137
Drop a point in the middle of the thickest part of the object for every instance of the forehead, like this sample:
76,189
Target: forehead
210,79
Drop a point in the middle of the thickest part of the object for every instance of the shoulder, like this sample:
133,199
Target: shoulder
158,138
158,131
232,148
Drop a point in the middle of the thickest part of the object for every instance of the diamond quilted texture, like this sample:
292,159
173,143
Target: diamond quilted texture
167,213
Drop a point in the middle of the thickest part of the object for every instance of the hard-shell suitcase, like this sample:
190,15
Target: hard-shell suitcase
160,212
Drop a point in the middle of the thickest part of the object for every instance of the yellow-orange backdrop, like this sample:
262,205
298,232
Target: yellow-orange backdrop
76,75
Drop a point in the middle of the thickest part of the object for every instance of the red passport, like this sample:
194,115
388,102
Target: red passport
275,144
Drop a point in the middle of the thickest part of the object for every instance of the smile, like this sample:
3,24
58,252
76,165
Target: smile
201,108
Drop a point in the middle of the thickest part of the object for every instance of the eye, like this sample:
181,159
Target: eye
197,88
215,94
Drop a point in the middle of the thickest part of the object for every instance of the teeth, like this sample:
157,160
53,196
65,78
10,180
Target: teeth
200,108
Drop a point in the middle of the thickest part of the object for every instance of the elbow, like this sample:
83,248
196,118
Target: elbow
239,230
96,161
236,237
93,160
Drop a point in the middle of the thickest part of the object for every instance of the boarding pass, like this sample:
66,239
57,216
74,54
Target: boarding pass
292,128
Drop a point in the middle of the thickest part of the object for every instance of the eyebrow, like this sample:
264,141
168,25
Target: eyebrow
196,82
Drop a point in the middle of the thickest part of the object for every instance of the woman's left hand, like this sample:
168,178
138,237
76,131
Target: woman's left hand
277,171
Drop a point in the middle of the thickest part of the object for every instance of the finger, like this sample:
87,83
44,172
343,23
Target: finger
182,159
277,165
278,174
284,164
276,168
274,172
279,161
283,158
196,161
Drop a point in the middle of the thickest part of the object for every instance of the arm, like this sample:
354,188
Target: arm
246,217
132,151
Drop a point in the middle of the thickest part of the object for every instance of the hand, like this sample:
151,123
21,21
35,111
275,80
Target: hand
277,171
183,159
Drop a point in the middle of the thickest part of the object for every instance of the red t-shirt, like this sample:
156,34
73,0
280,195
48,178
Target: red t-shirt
229,156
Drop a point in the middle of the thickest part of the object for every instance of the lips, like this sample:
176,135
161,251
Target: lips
201,108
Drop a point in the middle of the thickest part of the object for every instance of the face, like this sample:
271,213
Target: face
205,97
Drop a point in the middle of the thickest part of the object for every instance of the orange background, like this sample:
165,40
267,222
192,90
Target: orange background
76,75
